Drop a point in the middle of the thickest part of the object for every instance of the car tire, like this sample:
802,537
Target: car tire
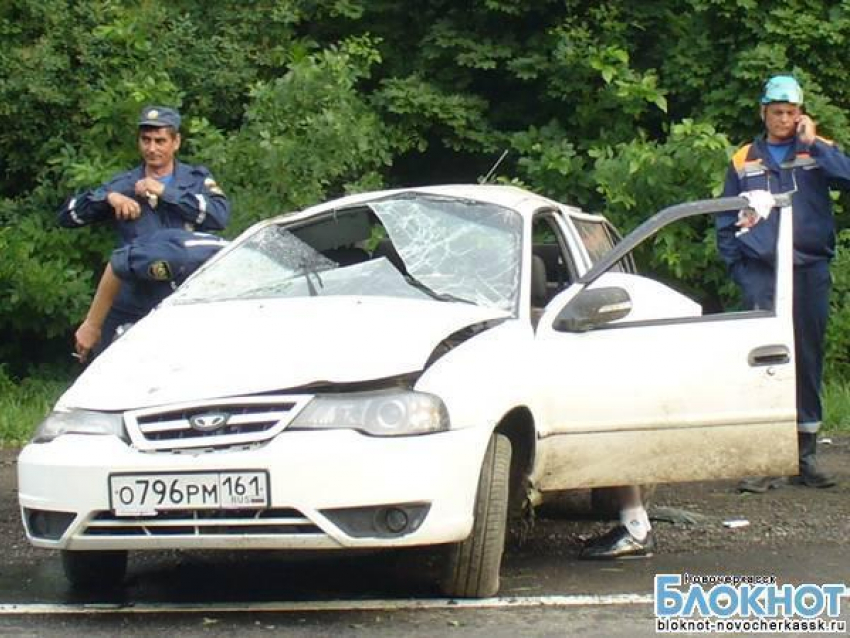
472,566
94,569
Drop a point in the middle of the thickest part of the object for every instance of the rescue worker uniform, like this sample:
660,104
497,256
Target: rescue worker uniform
750,255
151,268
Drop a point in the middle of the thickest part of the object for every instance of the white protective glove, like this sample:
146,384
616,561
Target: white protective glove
761,203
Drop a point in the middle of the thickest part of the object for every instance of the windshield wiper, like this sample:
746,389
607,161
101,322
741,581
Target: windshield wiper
439,296
311,269
259,290
310,285
279,286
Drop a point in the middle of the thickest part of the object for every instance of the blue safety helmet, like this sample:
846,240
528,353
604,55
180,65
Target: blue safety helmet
782,88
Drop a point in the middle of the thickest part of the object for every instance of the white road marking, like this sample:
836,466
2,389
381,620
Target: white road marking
9,609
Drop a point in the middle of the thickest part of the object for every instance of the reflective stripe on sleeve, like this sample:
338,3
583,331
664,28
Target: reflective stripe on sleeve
204,242
74,217
202,205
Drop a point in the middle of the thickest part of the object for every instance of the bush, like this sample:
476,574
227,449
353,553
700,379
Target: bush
45,285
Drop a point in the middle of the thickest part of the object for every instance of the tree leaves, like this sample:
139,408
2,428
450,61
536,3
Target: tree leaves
617,107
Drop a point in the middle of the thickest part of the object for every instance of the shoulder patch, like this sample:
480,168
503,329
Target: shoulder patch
160,270
209,184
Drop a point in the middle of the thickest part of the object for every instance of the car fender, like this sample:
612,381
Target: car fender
484,378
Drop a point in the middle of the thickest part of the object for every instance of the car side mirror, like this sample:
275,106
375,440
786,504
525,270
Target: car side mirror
593,307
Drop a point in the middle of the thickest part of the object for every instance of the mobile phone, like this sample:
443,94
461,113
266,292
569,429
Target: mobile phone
801,125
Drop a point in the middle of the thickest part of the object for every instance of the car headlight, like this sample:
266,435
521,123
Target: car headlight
381,413
71,421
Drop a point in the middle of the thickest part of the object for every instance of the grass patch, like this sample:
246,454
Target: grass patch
836,406
23,406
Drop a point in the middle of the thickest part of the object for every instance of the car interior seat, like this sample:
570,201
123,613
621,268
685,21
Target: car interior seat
346,255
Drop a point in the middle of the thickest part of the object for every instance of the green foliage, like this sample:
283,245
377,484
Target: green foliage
307,135
550,162
622,108
836,406
421,112
43,289
640,177
24,404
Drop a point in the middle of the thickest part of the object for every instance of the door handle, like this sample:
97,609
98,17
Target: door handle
769,355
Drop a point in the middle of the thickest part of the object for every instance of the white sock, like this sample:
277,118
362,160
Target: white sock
636,520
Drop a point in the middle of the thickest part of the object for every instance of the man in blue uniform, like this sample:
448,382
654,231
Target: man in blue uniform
161,193
790,153
148,269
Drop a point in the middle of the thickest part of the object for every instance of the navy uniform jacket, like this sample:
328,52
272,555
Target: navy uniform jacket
819,167
192,200
152,267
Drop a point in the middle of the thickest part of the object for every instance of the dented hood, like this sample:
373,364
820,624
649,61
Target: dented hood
201,351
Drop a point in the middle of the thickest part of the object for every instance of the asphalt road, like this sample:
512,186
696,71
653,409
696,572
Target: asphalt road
798,535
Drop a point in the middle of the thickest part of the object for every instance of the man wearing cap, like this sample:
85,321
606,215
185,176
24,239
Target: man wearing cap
789,153
161,193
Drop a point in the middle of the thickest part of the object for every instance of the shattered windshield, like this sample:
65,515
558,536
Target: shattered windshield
417,246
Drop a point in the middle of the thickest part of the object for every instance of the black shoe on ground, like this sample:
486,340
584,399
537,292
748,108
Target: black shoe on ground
813,479
810,474
618,543
761,484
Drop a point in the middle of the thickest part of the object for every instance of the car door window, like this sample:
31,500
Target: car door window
675,283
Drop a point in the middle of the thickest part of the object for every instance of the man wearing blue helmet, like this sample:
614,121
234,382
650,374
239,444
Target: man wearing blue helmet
789,154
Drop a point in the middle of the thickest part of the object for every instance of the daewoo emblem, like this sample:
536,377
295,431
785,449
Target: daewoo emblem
209,421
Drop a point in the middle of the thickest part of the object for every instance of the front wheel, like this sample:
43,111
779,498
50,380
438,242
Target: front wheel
472,567
94,569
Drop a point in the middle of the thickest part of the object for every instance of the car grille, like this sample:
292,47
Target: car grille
214,424
264,522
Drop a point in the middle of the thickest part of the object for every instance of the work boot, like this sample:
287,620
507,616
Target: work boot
810,475
761,484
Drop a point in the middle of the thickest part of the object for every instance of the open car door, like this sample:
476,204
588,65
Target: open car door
637,385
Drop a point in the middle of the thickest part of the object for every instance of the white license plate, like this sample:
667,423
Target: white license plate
148,493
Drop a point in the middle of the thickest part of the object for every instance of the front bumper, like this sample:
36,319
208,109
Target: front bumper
312,477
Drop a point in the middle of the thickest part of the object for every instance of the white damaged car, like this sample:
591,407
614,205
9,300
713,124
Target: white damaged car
406,368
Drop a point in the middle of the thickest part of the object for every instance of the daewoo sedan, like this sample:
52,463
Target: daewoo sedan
406,368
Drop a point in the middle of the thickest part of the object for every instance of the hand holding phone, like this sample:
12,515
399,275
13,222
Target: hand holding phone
806,130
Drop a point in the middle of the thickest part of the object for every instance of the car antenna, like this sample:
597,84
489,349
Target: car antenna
486,178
